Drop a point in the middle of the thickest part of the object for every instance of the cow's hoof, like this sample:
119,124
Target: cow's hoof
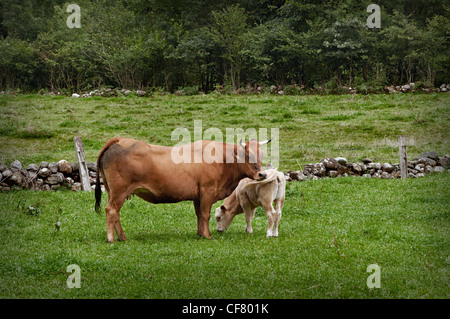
205,236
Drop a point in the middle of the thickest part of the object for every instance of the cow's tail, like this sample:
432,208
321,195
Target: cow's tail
98,190
269,179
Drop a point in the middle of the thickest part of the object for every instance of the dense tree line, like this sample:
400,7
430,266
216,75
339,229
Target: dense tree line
203,44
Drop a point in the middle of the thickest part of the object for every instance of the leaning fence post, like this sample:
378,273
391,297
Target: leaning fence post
84,173
403,158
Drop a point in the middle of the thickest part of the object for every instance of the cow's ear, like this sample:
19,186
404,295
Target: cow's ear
236,155
223,208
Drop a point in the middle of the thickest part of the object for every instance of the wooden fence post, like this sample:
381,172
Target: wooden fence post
84,173
403,158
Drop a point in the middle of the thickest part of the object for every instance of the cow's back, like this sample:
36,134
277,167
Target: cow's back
256,191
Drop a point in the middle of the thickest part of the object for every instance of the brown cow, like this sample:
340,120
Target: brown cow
149,171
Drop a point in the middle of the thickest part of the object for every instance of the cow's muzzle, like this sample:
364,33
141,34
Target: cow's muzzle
262,175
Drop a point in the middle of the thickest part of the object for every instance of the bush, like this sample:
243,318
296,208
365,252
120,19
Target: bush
18,64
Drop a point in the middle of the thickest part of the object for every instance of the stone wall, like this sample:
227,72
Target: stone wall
45,176
52,176
427,162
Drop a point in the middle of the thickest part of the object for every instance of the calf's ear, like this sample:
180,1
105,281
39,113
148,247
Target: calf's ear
223,208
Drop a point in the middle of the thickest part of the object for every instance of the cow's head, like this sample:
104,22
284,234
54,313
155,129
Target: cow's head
249,157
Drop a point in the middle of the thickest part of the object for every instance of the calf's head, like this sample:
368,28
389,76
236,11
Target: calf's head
249,159
225,214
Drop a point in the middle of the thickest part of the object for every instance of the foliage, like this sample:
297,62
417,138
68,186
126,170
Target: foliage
137,44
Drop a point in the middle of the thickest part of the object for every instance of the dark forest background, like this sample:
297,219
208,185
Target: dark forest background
201,45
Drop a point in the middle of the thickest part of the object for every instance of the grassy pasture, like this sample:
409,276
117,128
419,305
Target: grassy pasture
331,229
403,226
35,128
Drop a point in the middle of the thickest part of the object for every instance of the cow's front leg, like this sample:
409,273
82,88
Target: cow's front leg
202,210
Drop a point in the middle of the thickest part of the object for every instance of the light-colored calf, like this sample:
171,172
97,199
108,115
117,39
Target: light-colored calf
250,194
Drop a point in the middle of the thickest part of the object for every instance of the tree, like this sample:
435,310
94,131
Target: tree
228,30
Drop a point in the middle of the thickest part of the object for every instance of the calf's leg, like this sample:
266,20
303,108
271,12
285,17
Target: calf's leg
249,215
270,212
278,207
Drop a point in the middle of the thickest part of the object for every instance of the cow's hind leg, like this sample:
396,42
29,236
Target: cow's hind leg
270,212
278,206
113,220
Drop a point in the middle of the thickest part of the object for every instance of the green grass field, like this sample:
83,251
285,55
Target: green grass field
35,128
330,232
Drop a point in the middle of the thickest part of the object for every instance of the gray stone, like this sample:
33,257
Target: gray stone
44,172
376,166
366,160
318,169
7,173
420,175
54,179
367,175
92,166
432,155
430,161
386,175
69,181
32,168
341,160
43,164
16,165
438,169
3,167
75,167
53,167
64,167
386,167
332,173
356,168
16,179
296,176
330,163
76,186
444,161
